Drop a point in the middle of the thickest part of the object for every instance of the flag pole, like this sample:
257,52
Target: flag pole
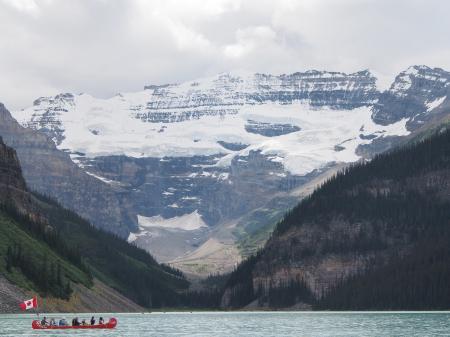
37,308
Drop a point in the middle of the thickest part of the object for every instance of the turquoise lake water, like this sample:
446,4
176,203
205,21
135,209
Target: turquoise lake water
265,324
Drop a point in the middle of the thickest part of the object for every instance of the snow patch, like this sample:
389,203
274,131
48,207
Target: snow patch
132,237
105,180
187,222
434,104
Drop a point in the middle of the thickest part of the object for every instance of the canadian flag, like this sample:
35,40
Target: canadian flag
29,304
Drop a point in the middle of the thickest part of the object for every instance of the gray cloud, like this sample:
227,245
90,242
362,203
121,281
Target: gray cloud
103,47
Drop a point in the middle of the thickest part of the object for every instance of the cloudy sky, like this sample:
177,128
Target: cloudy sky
103,47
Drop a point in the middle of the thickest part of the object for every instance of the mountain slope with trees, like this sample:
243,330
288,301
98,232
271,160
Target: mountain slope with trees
47,249
375,236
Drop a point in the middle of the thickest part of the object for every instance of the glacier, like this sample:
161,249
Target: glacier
194,118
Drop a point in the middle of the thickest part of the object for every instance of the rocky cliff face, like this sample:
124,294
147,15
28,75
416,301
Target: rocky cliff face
50,171
223,95
222,147
13,188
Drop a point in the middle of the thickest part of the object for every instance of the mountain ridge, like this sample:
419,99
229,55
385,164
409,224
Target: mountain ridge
207,145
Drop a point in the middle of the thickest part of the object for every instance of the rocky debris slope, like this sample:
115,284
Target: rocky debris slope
100,298
10,296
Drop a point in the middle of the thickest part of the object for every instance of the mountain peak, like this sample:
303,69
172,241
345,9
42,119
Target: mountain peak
415,69
59,98
424,70
412,93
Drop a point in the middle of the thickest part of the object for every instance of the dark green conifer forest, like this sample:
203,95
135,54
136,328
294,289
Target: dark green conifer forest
403,200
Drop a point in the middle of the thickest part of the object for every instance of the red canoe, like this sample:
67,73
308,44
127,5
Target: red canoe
109,325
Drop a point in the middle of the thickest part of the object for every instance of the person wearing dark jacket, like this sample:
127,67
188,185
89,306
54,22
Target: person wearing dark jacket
92,320
44,321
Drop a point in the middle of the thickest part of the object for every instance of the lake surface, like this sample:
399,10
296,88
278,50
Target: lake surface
267,324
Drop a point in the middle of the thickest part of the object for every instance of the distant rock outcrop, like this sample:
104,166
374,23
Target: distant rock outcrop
414,93
13,189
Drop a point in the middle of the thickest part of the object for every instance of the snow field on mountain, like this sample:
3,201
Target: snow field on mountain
186,222
100,127
321,130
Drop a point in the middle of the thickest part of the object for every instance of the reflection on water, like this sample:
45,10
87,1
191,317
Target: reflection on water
267,324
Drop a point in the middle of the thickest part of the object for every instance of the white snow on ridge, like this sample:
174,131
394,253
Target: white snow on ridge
434,104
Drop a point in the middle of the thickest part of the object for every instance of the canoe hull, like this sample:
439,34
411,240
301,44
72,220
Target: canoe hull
109,325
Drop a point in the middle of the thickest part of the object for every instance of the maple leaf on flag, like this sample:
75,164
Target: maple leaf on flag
29,304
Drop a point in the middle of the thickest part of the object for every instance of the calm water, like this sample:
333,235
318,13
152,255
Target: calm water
251,324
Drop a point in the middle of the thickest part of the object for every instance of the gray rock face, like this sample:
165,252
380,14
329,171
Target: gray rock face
10,296
232,146
319,88
172,187
13,189
410,94
270,129
50,171
50,123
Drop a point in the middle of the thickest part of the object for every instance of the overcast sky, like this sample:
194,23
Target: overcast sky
103,47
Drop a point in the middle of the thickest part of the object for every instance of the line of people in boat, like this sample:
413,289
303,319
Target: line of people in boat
75,322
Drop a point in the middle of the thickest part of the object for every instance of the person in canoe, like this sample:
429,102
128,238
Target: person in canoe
75,322
110,324
44,321
63,322
92,320
52,322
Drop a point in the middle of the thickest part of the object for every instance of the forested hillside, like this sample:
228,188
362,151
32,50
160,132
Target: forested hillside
115,262
47,249
376,236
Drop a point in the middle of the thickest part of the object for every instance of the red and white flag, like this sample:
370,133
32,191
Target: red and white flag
29,304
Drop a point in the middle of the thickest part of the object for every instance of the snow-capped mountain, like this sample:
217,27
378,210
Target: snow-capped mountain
189,158
415,92
298,117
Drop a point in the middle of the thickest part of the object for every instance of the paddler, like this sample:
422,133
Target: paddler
44,321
